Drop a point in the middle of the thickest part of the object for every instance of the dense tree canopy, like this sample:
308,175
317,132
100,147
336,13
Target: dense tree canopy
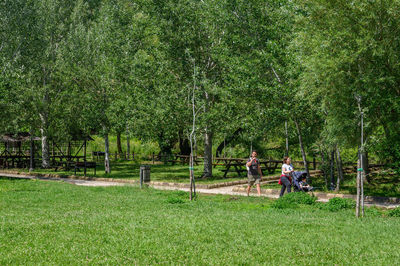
130,66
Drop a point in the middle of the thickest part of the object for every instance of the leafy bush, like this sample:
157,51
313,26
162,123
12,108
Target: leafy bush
182,194
336,204
373,212
175,200
282,203
394,212
299,197
302,198
291,200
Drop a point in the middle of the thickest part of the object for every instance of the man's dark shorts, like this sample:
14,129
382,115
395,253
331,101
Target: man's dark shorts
253,179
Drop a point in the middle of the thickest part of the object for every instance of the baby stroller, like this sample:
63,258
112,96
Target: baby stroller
299,182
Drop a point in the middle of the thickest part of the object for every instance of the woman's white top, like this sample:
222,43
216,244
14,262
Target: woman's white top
286,167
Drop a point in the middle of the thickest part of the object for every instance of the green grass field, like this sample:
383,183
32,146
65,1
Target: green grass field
44,222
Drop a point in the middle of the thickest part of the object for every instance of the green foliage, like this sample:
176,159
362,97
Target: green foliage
344,58
336,204
282,203
291,200
178,197
175,200
301,198
129,67
374,212
394,212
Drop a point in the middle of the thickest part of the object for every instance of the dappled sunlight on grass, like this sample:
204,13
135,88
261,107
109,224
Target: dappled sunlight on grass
159,172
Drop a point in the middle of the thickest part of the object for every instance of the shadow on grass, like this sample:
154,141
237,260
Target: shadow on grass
159,172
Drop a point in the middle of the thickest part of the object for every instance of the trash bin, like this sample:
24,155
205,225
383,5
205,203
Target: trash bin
144,174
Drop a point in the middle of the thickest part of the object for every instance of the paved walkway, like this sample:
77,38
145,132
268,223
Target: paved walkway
238,190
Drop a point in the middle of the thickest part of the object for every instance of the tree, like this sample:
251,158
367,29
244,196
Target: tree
353,50
36,30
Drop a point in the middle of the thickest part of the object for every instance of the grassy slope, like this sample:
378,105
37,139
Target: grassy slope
58,223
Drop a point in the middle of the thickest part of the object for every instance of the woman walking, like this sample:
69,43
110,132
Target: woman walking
286,180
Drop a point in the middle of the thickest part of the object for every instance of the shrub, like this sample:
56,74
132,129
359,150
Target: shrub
299,198
175,200
281,203
336,204
373,212
181,194
394,212
291,200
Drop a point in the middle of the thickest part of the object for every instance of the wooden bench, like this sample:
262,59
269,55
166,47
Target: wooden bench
85,165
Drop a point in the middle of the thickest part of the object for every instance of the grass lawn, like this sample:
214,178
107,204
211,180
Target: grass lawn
43,222
159,172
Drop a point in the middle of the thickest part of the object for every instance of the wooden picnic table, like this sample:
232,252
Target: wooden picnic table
269,165
85,165
238,165
239,168
10,161
183,159
66,163
225,161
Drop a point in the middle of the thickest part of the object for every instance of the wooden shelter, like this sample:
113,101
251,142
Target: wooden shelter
18,150
66,154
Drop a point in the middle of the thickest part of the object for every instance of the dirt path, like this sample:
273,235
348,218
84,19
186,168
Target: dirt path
236,190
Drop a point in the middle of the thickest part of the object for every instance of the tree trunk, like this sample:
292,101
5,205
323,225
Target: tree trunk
365,165
287,140
228,140
360,183
128,146
184,145
166,146
31,153
303,153
207,153
324,168
45,140
107,154
119,146
340,166
332,168
358,198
